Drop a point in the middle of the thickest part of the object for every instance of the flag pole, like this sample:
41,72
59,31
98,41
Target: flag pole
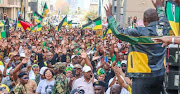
178,47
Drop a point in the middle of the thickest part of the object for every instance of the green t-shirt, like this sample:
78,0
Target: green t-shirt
113,59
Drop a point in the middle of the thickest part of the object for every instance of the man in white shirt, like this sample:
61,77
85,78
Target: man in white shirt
85,82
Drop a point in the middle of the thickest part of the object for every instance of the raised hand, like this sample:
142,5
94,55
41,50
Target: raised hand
157,3
83,55
108,10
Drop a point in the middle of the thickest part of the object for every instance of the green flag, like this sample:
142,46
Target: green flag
104,33
88,25
37,28
173,15
89,20
37,17
70,23
2,24
62,23
45,10
97,23
3,34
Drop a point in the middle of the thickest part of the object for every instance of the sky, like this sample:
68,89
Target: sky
53,1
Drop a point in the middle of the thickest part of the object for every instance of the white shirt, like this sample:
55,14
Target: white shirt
82,84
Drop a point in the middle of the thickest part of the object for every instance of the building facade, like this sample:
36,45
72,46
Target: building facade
13,8
10,7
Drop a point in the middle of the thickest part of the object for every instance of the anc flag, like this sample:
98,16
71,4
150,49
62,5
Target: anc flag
89,20
65,21
88,25
62,23
37,17
45,10
107,31
3,34
97,23
2,24
70,23
25,25
37,28
104,33
18,25
173,15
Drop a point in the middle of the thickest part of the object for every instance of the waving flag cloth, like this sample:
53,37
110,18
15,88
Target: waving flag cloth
62,23
37,17
45,10
173,15
37,28
97,23
70,23
89,20
25,25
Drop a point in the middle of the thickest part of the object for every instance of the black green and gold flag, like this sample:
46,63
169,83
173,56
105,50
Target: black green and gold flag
37,17
89,20
97,23
62,23
37,28
173,15
88,25
45,10
2,24
70,23
3,34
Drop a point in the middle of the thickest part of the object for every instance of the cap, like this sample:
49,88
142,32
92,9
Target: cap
78,66
42,70
59,65
22,55
68,69
99,83
96,58
101,71
21,74
86,69
34,65
73,56
124,62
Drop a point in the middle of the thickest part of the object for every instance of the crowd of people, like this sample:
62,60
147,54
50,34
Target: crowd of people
66,62
75,61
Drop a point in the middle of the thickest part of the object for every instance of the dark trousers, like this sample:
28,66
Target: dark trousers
153,85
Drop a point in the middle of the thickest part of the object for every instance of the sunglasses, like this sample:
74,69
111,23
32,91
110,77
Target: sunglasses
123,65
26,78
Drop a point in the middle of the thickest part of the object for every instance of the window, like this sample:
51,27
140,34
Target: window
0,1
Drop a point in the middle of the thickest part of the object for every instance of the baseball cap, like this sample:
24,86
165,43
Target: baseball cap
22,55
99,83
42,70
77,66
73,56
86,69
124,62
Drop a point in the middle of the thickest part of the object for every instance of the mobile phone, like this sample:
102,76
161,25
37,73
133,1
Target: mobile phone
74,73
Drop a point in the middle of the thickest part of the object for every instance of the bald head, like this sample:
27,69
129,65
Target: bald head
150,15
115,89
